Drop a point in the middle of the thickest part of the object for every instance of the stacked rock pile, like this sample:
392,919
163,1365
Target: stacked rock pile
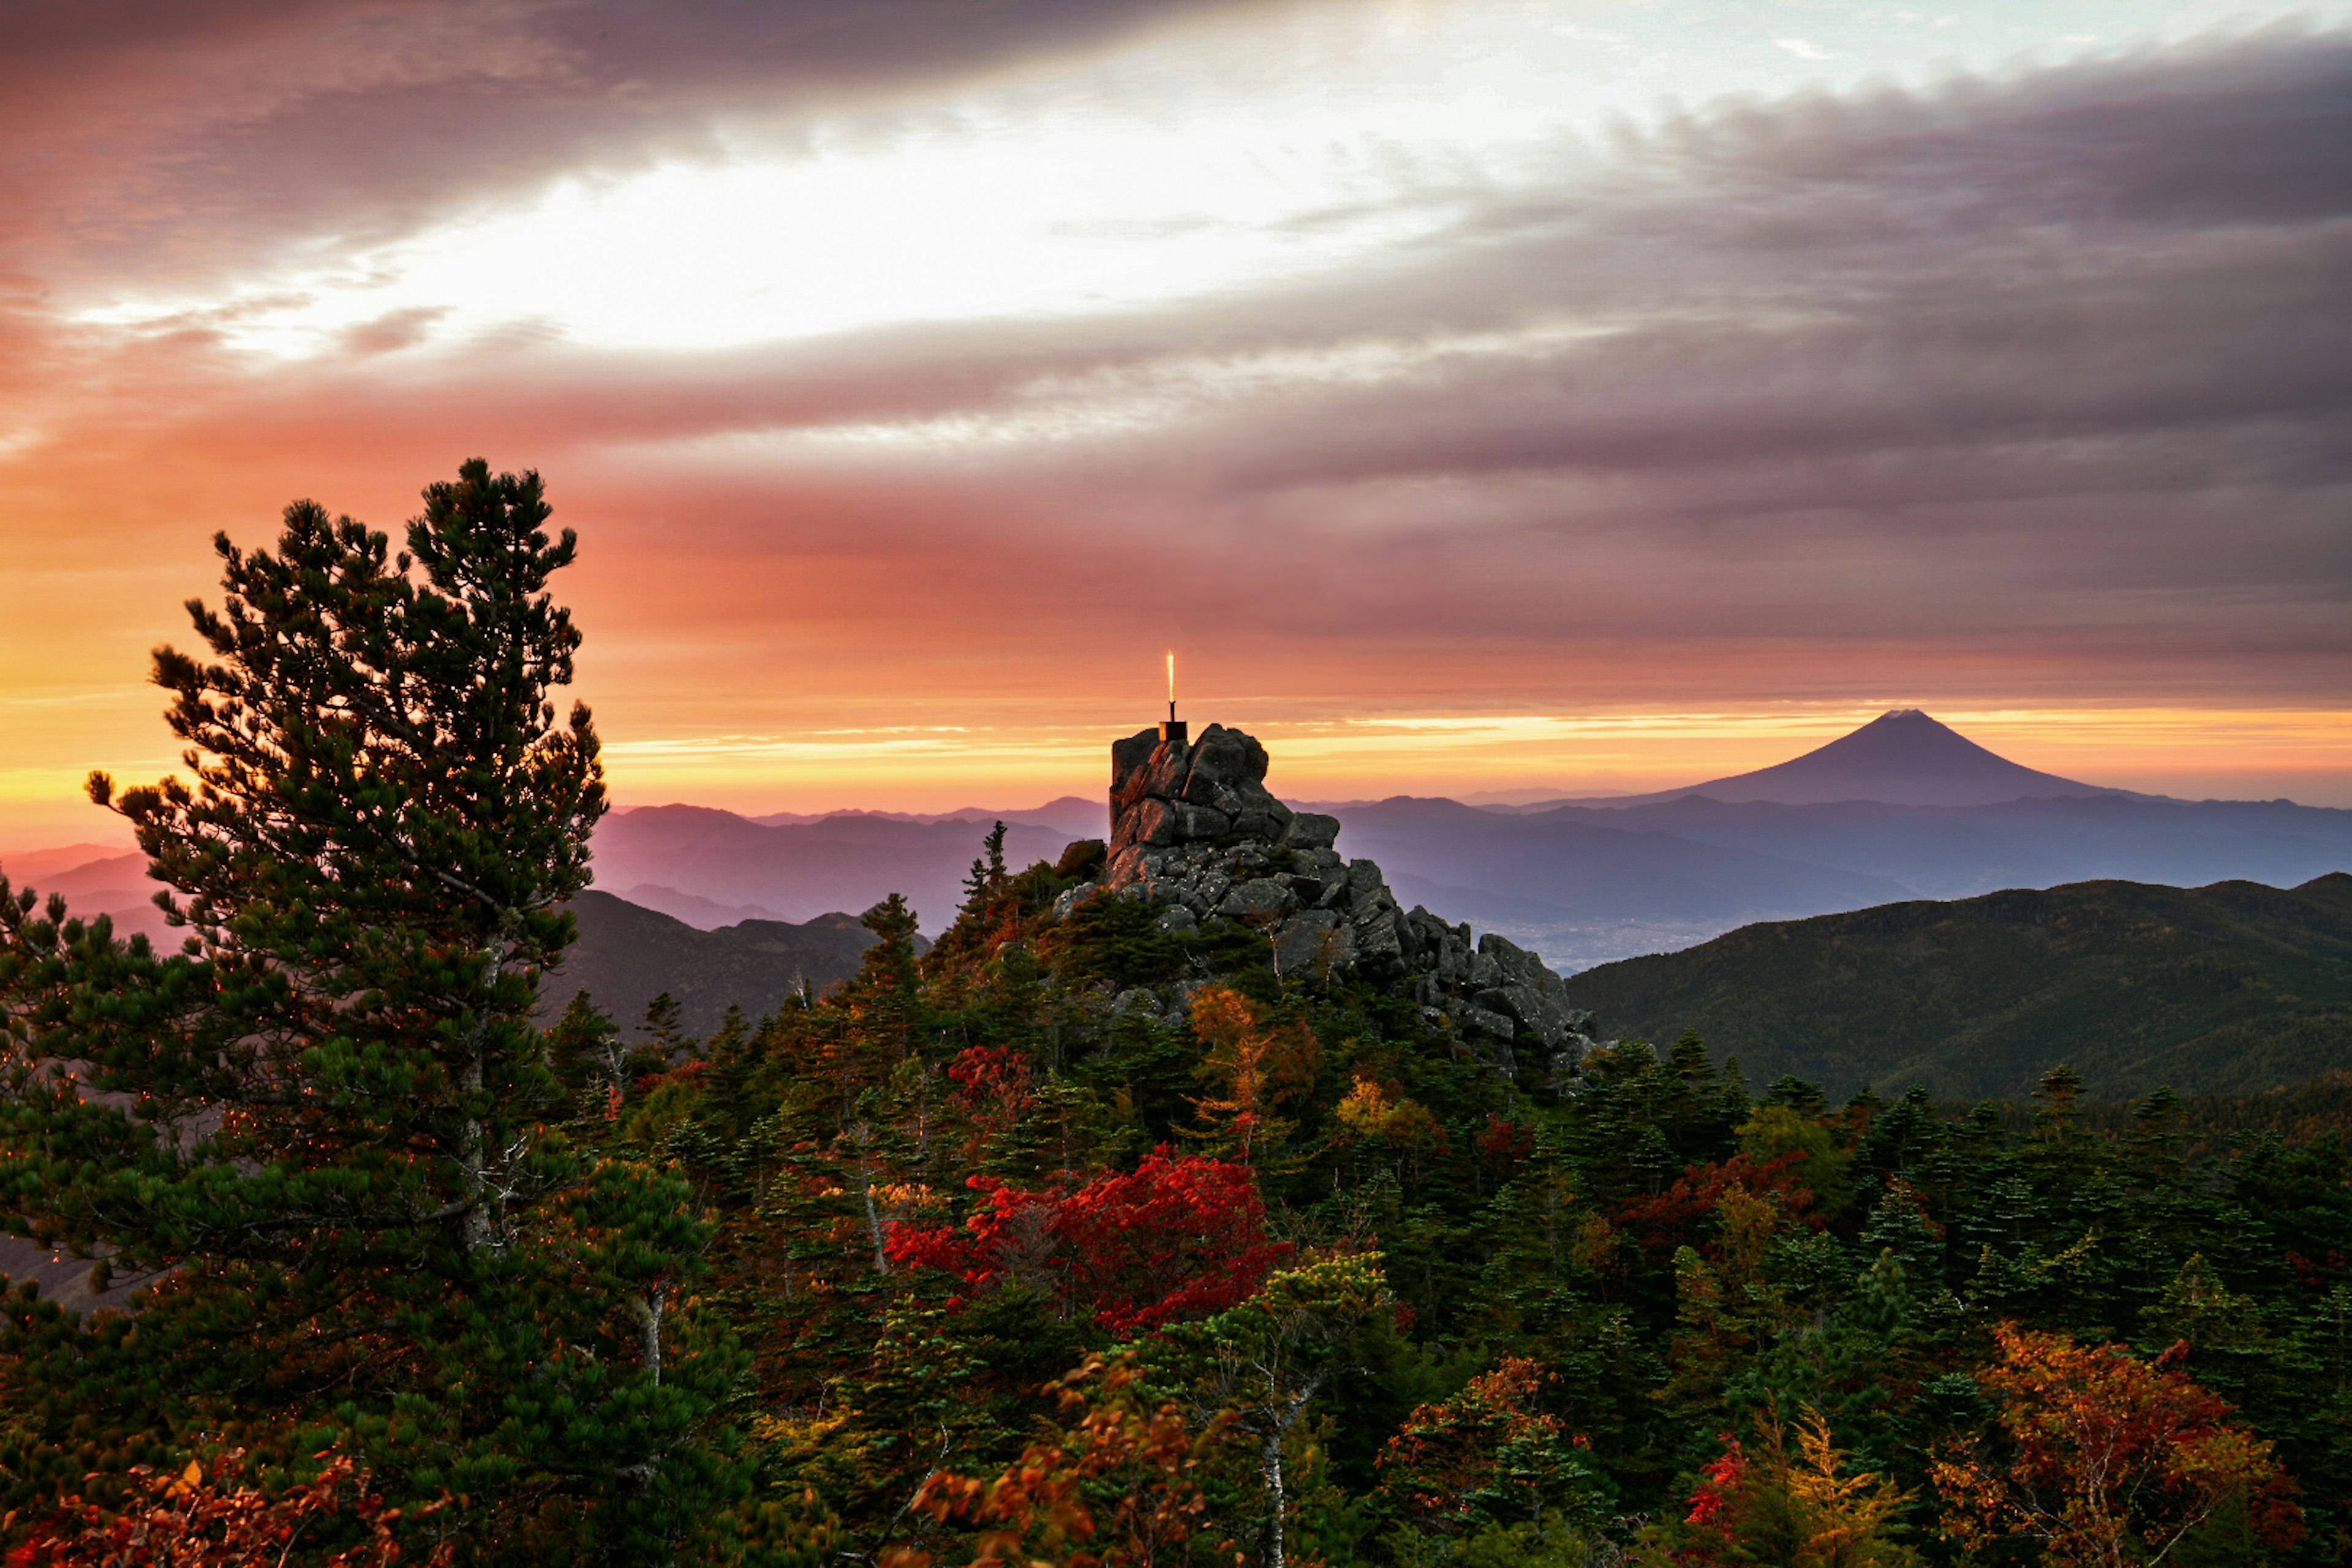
1194,830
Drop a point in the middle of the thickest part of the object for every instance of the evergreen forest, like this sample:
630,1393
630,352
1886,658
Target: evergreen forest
1070,1241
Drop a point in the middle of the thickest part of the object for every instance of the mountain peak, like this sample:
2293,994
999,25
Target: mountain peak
1906,756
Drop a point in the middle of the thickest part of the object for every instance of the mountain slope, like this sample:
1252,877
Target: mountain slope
628,955
2231,988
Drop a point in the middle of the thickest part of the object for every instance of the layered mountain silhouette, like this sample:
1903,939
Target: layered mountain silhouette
713,867
1903,807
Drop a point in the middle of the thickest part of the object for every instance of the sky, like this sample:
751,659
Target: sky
1489,397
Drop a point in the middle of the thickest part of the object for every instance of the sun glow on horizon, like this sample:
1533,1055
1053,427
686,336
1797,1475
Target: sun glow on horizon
2161,751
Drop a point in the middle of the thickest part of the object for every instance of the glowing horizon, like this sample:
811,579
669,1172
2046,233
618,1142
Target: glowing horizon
2303,754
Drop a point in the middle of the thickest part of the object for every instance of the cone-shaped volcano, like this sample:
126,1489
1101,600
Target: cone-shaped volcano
1902,757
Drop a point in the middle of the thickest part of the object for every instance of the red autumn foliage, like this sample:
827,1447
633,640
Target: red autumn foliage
1718,1483
1177,1237
1673,1218
1504,1142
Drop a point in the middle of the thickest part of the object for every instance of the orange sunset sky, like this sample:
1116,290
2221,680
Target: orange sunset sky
1478,398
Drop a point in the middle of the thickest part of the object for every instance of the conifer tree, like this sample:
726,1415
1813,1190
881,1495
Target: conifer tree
318,1133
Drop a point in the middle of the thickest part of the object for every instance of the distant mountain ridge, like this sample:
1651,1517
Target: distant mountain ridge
1580,884
1070,814
708,867
2234,988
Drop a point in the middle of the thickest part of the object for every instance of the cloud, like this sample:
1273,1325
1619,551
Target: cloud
162,140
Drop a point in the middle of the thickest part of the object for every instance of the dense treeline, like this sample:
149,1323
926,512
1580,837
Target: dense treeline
1069,1240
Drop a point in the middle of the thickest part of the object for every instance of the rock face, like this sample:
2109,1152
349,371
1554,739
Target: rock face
1194,830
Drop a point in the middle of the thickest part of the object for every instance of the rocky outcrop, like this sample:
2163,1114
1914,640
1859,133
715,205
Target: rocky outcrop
1195,831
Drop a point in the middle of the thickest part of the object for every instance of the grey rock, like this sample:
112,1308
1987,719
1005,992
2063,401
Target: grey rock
1200,822
1379,940
1252,823
1071,898
1178,917
1476,1019
1259,899
1312,944
1224,756
1311,830
1154,822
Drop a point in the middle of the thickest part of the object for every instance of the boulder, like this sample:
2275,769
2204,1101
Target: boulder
1476,1020
1259,899
1152,822
1310,830
1194,822
1377,939
1312,944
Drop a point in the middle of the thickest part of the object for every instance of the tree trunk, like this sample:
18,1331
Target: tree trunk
1278,1501
872,1216
473,1147
648,1313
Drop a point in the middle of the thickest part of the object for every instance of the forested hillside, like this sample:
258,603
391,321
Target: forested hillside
2236,988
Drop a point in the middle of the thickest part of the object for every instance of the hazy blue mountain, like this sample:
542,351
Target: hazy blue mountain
2234,988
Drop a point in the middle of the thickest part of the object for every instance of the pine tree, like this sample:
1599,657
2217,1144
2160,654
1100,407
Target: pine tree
319,1133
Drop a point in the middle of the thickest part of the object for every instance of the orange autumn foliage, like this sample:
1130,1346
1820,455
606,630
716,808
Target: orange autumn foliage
1120,1490
188,1519
2111,1461
1259,1064
1488,1454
